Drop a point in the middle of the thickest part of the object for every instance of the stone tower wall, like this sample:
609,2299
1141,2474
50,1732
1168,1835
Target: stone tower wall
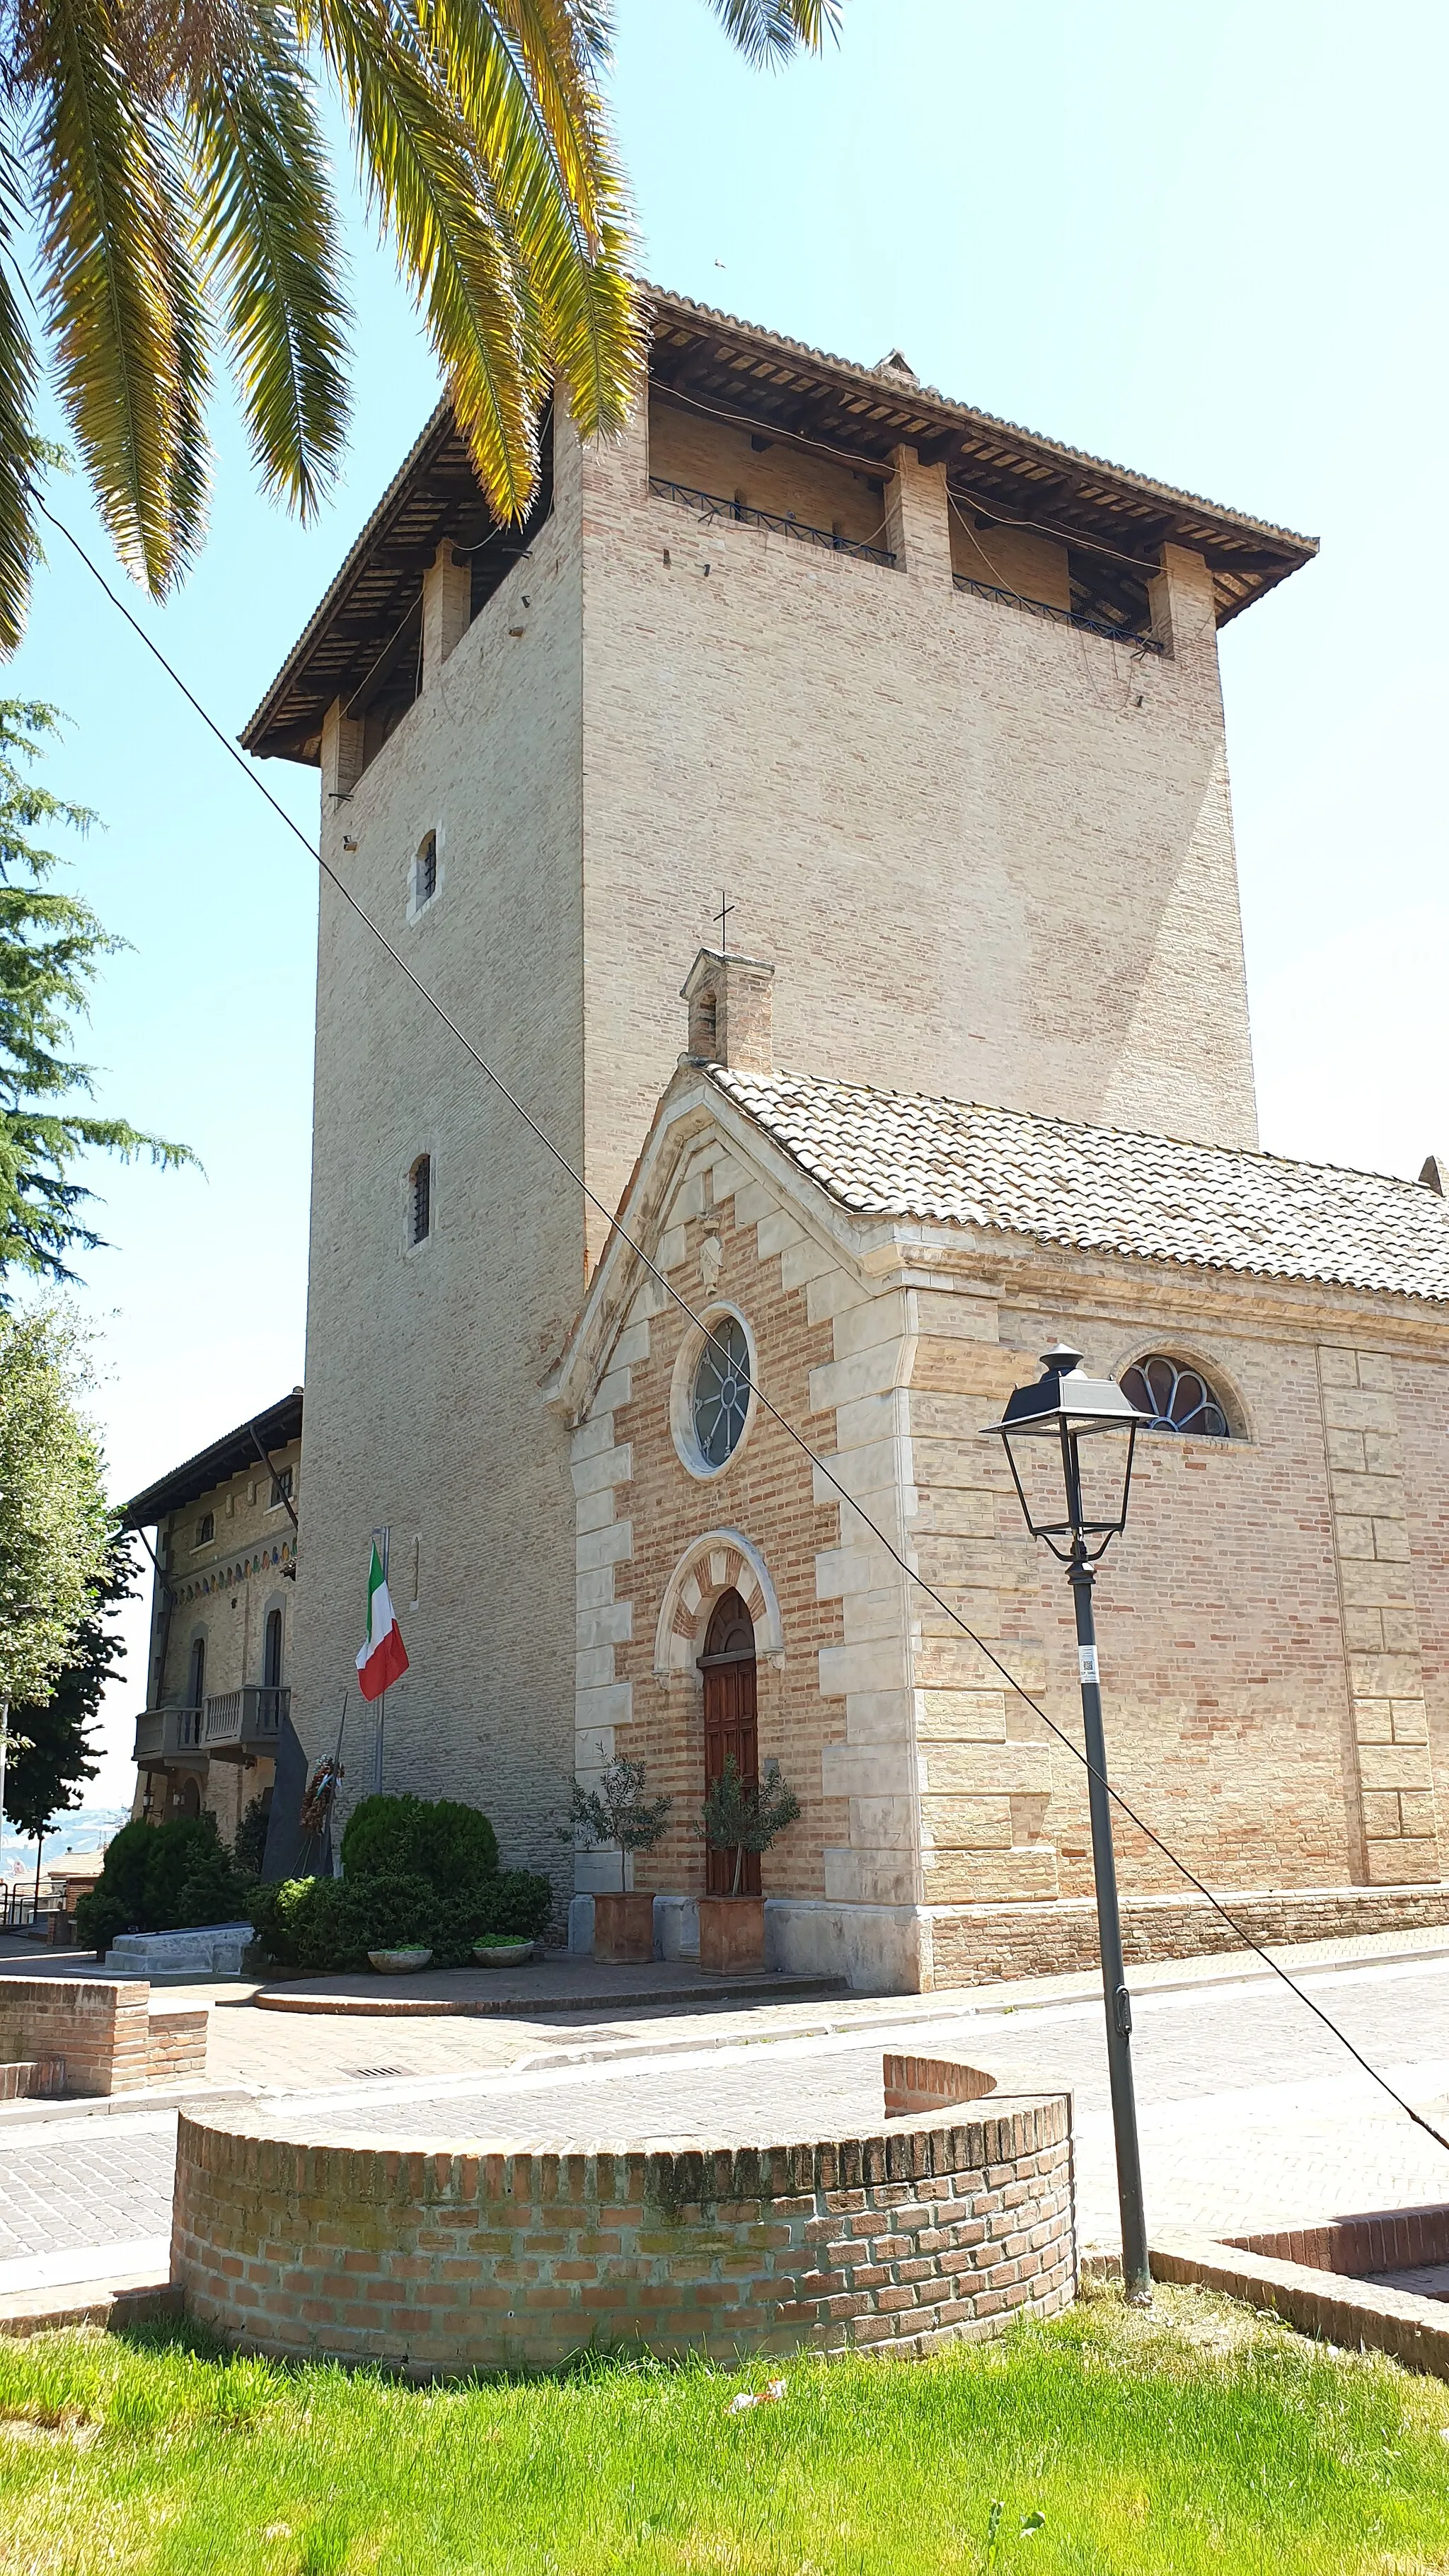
423,1364
989,854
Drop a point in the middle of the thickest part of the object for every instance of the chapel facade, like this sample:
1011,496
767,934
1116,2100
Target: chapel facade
924,711
1274,1618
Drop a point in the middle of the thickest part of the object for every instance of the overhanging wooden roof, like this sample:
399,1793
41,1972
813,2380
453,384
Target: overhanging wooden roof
1115,519
731,366
227,1457
434,494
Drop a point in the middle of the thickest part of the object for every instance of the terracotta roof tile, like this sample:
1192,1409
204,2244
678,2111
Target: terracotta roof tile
1102,1189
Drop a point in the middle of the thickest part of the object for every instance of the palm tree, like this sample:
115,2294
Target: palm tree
166,159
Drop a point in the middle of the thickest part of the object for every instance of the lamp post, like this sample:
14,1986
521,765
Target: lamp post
1079,1517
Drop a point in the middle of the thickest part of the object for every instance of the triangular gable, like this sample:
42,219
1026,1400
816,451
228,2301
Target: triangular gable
690,1110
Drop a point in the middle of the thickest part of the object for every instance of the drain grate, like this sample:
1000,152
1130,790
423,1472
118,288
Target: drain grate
371,2074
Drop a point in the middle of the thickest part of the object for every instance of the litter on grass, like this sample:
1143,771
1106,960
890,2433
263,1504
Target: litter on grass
770,2395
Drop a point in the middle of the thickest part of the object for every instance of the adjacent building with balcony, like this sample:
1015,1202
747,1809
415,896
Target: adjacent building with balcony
218,1698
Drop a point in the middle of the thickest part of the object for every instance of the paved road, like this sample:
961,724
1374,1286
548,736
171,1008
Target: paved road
101,2183
1251,2111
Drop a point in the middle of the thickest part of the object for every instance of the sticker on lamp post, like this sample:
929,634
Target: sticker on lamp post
1087,1664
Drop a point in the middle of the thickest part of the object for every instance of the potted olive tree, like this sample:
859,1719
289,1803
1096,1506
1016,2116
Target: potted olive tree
617,1813
738,1819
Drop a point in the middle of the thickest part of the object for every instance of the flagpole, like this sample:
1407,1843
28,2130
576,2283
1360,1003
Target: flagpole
383,1538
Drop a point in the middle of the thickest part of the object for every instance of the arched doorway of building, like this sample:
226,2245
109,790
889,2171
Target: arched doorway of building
272,1651
728,1666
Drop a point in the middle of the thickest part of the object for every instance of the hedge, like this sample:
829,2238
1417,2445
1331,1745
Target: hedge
438,1839
320,1923
162,1878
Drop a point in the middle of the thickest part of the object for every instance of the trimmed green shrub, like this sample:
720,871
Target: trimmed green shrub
317,1923
519,1902
299,1921
434,1838
162,1878
117,1902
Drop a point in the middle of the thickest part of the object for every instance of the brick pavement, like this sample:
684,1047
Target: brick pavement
101,2183
1251,2114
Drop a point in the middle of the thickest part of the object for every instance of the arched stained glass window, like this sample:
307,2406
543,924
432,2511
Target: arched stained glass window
720,1398
1175,1397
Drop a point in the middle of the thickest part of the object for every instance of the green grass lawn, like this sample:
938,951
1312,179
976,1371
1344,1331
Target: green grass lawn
1196,2438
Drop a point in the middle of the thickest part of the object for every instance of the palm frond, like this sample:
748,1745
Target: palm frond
431,192
190,474
770,31
517,74
122,306
268,231
19,451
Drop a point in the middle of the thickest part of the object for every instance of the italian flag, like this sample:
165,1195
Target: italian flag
383,1659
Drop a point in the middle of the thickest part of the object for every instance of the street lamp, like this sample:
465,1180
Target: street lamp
1079,1514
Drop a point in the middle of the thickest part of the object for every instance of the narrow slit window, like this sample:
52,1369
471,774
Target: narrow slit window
425,871
420,1200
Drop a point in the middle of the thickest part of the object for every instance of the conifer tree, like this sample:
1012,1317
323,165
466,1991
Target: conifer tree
51,945
55,1530
51,1751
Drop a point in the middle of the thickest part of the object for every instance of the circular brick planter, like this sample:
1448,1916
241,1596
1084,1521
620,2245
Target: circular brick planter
439,2257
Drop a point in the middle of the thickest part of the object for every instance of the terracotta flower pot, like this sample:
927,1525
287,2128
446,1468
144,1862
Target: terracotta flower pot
623,1929
731,1932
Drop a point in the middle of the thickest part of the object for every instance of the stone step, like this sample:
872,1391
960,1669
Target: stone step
210,1950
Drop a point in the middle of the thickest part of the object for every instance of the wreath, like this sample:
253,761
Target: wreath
321,1789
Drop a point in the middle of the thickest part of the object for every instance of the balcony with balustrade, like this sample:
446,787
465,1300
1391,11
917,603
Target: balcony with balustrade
230,1726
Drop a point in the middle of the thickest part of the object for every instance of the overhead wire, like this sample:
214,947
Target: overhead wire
882,471
819,1464
409,613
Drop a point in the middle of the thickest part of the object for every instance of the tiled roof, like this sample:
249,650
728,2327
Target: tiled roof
1102,1189
664,300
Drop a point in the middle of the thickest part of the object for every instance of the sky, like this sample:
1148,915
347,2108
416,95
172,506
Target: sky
1205,242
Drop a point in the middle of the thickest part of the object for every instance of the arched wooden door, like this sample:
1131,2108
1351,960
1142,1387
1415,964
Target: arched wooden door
728,1666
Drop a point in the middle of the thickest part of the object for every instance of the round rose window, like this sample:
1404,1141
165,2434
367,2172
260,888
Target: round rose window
720,1396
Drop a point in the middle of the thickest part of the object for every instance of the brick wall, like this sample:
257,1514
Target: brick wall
915,2084
104,2030
101,2029
436,2260
177,2047
1265,1685
1386,2240
888,776
640,1513
971,1944
32,2079
1360,2316
423,1409
222,1593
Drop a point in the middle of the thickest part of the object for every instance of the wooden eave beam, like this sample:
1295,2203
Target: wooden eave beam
834,412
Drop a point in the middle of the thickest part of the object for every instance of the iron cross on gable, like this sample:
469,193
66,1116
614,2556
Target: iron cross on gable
724,910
